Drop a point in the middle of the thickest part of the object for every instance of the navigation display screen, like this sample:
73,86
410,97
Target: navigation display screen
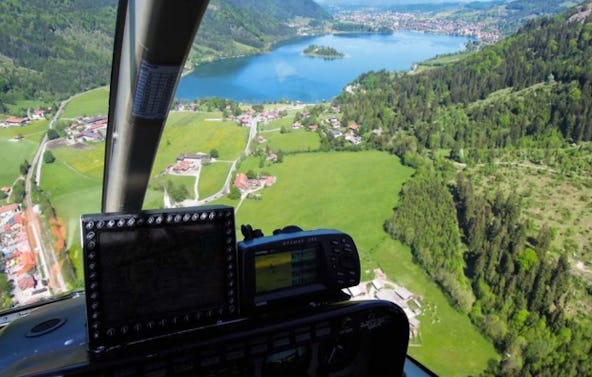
286,269
151,271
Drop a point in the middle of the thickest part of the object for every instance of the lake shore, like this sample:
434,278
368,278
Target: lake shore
285,73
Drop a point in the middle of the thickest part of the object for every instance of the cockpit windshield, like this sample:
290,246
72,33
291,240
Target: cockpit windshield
451,140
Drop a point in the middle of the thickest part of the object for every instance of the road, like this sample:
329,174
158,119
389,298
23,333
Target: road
226,187
45,252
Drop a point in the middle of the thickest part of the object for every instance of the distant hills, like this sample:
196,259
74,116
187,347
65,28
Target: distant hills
505,15
549,62
242,27
51,48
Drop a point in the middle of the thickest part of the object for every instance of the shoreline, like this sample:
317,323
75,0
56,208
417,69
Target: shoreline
189,70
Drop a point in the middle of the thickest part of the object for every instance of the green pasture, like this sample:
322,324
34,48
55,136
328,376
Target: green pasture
33,132
212,178
293,141
91,103
70,206
87,160
352,191
448,344
355,192
279,123
12,155
62,178
187,132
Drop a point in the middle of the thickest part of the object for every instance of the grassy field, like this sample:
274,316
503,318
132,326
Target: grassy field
94,102
351,191
440,61
14,153
33,132
212,178
293,141
279,123
449,344
355,192
191,133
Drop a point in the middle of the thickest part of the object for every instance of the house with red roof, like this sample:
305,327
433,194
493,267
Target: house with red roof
14,208
26,261
38,114
354,127
241,182
15,121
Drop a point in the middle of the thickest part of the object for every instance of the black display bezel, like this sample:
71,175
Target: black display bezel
105,333
338,266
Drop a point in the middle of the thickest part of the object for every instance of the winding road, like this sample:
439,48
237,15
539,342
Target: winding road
44,250
226,187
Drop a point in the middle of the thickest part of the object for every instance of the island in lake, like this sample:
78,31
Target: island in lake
324,52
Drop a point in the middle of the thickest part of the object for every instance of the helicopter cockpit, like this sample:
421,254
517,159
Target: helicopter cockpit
174,292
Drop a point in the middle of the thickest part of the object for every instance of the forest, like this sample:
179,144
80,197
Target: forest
50,50
530,95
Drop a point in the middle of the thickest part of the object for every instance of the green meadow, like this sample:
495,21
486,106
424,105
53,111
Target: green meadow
20,107
14,153
448,344
351,191
73,193
212,178
355,192
187,132
91,103
293,141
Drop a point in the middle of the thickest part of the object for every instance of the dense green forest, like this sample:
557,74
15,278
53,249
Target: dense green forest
52,49
528,98
547,68
251,26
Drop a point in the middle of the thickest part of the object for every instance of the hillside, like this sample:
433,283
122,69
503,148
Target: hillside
53,49
498,211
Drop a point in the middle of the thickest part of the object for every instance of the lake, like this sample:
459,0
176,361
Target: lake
286,73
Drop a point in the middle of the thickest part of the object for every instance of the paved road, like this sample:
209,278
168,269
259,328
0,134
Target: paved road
226,187
46,254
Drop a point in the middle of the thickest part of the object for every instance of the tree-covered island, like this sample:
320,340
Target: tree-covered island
324,52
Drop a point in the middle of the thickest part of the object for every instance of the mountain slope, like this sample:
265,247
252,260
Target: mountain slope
241,27
554,51
55,48
523,105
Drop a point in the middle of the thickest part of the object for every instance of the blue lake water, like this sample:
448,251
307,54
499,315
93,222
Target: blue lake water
285,73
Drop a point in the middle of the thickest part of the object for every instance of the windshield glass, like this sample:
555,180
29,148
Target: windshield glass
450,140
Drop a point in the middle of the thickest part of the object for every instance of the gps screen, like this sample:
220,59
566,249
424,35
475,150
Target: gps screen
286,269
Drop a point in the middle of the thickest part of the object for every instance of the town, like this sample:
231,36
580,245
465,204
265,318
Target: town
18,257
395,21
